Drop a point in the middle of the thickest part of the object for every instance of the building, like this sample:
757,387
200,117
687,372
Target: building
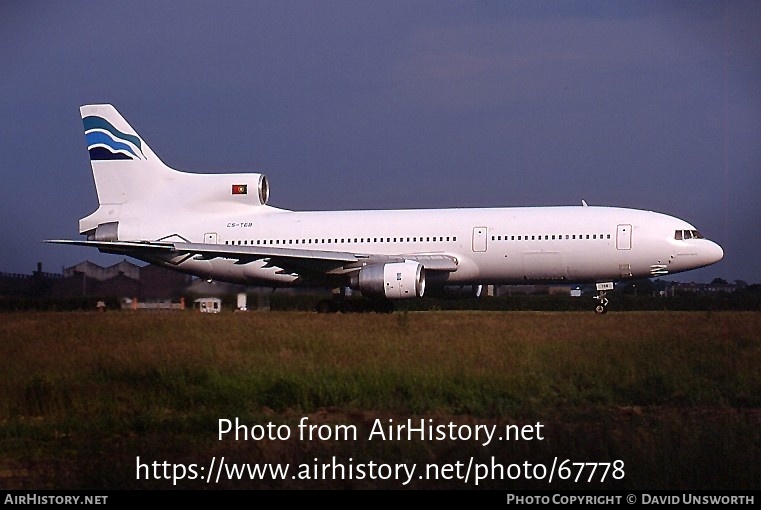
208,305
123,279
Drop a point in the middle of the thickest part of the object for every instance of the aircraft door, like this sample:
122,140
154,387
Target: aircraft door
210,238
479,239
624,237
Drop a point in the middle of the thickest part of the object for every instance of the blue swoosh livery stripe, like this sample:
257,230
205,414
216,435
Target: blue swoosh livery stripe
97,131
94,122
101,153
99,138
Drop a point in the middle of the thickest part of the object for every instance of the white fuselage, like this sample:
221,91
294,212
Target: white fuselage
491,245
219,226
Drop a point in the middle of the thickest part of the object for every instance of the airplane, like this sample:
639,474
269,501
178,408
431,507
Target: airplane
220,227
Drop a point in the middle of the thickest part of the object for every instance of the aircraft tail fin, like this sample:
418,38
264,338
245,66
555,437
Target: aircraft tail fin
119,157
123,166
135,187
109,136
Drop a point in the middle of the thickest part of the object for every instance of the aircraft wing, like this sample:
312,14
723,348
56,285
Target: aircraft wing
434,261
289,260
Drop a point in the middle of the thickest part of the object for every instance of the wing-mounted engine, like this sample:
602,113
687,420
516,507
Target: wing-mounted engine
396,280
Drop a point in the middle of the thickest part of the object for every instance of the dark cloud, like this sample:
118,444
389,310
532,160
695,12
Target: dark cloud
342,104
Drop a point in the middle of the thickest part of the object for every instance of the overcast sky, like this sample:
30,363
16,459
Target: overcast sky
363,104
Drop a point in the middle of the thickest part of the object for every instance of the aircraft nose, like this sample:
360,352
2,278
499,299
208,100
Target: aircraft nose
713,253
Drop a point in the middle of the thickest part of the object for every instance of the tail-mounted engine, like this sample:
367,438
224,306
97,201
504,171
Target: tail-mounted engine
251,189
397,280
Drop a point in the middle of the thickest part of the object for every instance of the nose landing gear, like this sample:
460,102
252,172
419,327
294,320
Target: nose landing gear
602,301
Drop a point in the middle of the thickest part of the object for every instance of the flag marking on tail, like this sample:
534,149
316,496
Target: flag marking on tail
105,142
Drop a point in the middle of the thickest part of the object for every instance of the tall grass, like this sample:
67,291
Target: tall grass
88,390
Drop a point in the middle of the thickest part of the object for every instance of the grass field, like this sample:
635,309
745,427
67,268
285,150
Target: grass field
676,396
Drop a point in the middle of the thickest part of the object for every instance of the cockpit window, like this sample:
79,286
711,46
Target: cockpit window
687,234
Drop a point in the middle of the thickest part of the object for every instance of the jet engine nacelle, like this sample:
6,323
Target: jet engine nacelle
396,280
212,189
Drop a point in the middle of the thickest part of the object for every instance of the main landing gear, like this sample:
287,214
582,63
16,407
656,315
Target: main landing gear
343,301
602,301
345,304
